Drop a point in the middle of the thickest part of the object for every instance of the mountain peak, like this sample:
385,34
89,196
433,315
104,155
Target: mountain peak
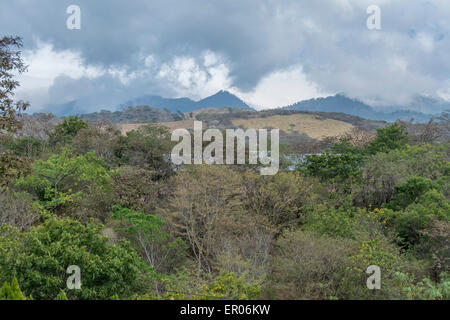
221,99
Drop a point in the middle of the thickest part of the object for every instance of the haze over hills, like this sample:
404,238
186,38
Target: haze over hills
343,104
224,99
221,99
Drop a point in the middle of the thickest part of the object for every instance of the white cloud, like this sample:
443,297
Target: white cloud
281,88
426,42
196,78
45,64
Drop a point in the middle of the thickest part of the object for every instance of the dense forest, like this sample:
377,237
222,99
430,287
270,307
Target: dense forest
139,228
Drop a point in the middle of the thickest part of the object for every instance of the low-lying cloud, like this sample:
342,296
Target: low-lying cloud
268,52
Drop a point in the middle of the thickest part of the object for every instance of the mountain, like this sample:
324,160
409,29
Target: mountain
159,102
343,104
221,99
138,114
425,104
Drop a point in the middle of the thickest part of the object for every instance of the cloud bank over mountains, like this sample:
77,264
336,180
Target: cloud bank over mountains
269,53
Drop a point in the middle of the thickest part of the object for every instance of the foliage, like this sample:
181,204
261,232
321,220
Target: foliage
425,289
216,231
409,223
384,171
39,259
29,147
10,64
285,199
64,179
12,168
67,130
339,222
102,138
338,169
389,138
229,287
409,192
16,209
61,296
206,209
148,147
11,291
157,247
308,266
139,189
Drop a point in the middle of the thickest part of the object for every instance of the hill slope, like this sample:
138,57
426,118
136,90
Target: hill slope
221,99
343,104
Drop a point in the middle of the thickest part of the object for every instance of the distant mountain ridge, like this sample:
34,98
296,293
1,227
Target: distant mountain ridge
343,104
221,99
338,103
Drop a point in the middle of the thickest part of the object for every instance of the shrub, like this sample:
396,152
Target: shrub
410,191
284,198
65,179
229,287
410,222
308,266
389,138
161,251
384,171
64,132
11,291
425,289
39,259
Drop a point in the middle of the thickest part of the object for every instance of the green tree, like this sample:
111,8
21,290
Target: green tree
11,64
39,259
410,191
61,296
340,170
409,223
65,178
382,172
229,287
148,147
389,138
158,248
67,130
11,291
425,289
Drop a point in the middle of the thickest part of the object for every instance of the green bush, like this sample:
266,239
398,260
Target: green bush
425,289
39,259
410,191
64,132
411,221
389,138
11,291
65,179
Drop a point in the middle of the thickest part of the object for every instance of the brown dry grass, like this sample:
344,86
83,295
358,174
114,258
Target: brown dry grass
297,123
300,123
184,124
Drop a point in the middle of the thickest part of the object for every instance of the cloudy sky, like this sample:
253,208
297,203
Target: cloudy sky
268,52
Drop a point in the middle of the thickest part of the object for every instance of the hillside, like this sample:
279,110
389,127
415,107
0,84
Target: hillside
221,99
294,125
138,114
341,103
311,125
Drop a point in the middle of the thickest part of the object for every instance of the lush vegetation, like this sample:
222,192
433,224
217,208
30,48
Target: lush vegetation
138,228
